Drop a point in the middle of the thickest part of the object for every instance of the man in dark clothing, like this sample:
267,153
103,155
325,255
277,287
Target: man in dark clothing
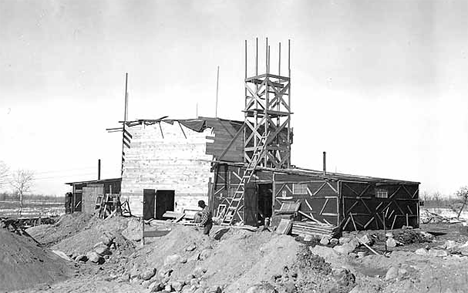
206,220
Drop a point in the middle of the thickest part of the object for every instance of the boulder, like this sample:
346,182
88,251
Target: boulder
334,241
147,273
198,272
325,240
421,251
308,238
191,247
133,231
177,285
391,242
392,273
344,240
345,248
94,257
172,259
102,250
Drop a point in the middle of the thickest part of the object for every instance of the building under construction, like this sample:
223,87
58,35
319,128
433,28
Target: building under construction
244,169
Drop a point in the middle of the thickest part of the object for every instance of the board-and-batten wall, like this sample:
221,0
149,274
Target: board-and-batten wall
166,156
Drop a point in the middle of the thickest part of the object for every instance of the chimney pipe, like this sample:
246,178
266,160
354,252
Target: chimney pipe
324,163
99,169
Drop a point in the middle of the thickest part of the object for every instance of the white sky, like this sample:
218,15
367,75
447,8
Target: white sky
379,85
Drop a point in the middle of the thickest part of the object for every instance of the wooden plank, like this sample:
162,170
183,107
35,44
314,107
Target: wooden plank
284,226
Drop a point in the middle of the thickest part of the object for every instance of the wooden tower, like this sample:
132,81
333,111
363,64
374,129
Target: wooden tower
267,113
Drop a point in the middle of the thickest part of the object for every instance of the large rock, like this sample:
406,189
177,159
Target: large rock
198,272
421,251
329,254
392,273
345,248
94,257
391,242
172,259
133,231
325,240
102,250
147,273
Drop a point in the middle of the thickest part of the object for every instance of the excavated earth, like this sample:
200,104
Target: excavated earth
108,256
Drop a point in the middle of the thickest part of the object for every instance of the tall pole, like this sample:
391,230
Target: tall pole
217,88
124,123
99,170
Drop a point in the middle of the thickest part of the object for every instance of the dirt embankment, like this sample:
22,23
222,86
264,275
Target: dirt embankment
25,264
236,260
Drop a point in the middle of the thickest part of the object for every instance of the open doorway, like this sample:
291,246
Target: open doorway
164,202
265,202
156,203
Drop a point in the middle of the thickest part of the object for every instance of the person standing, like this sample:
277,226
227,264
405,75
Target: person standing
206,218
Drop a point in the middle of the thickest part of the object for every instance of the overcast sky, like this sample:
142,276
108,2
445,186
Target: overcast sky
379,85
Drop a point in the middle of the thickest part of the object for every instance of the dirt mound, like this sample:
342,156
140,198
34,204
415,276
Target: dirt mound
237,261
24,264
66,226
94,232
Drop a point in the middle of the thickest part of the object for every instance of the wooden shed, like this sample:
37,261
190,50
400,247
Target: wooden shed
84,193
348,201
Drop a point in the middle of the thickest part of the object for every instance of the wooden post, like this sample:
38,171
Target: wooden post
99,170
407,220
142,231
217,88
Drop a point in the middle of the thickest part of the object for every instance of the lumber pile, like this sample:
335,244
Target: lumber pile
310,228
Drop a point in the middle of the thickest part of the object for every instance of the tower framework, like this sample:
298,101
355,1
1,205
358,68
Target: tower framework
267,113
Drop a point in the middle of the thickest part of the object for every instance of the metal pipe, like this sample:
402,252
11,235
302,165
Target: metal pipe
324,163
99,169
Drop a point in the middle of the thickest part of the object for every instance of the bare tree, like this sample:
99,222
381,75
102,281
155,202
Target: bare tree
3,173
461,201
22,181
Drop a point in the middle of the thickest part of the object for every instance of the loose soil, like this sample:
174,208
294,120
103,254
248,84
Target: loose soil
238,260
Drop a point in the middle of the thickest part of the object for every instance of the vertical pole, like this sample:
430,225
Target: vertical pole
324,163
279,59
99,169
124,124
256,56
289,105
245,101
266,56
217,88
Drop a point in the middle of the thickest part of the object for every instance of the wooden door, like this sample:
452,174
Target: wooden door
149,201
164,202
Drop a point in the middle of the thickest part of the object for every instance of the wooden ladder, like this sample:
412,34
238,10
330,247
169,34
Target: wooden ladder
239,194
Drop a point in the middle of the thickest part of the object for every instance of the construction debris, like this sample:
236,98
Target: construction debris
314,229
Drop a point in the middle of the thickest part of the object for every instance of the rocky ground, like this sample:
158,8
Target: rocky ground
108,256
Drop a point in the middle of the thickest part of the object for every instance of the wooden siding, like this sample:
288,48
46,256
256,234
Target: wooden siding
166,156
362,210
319,200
